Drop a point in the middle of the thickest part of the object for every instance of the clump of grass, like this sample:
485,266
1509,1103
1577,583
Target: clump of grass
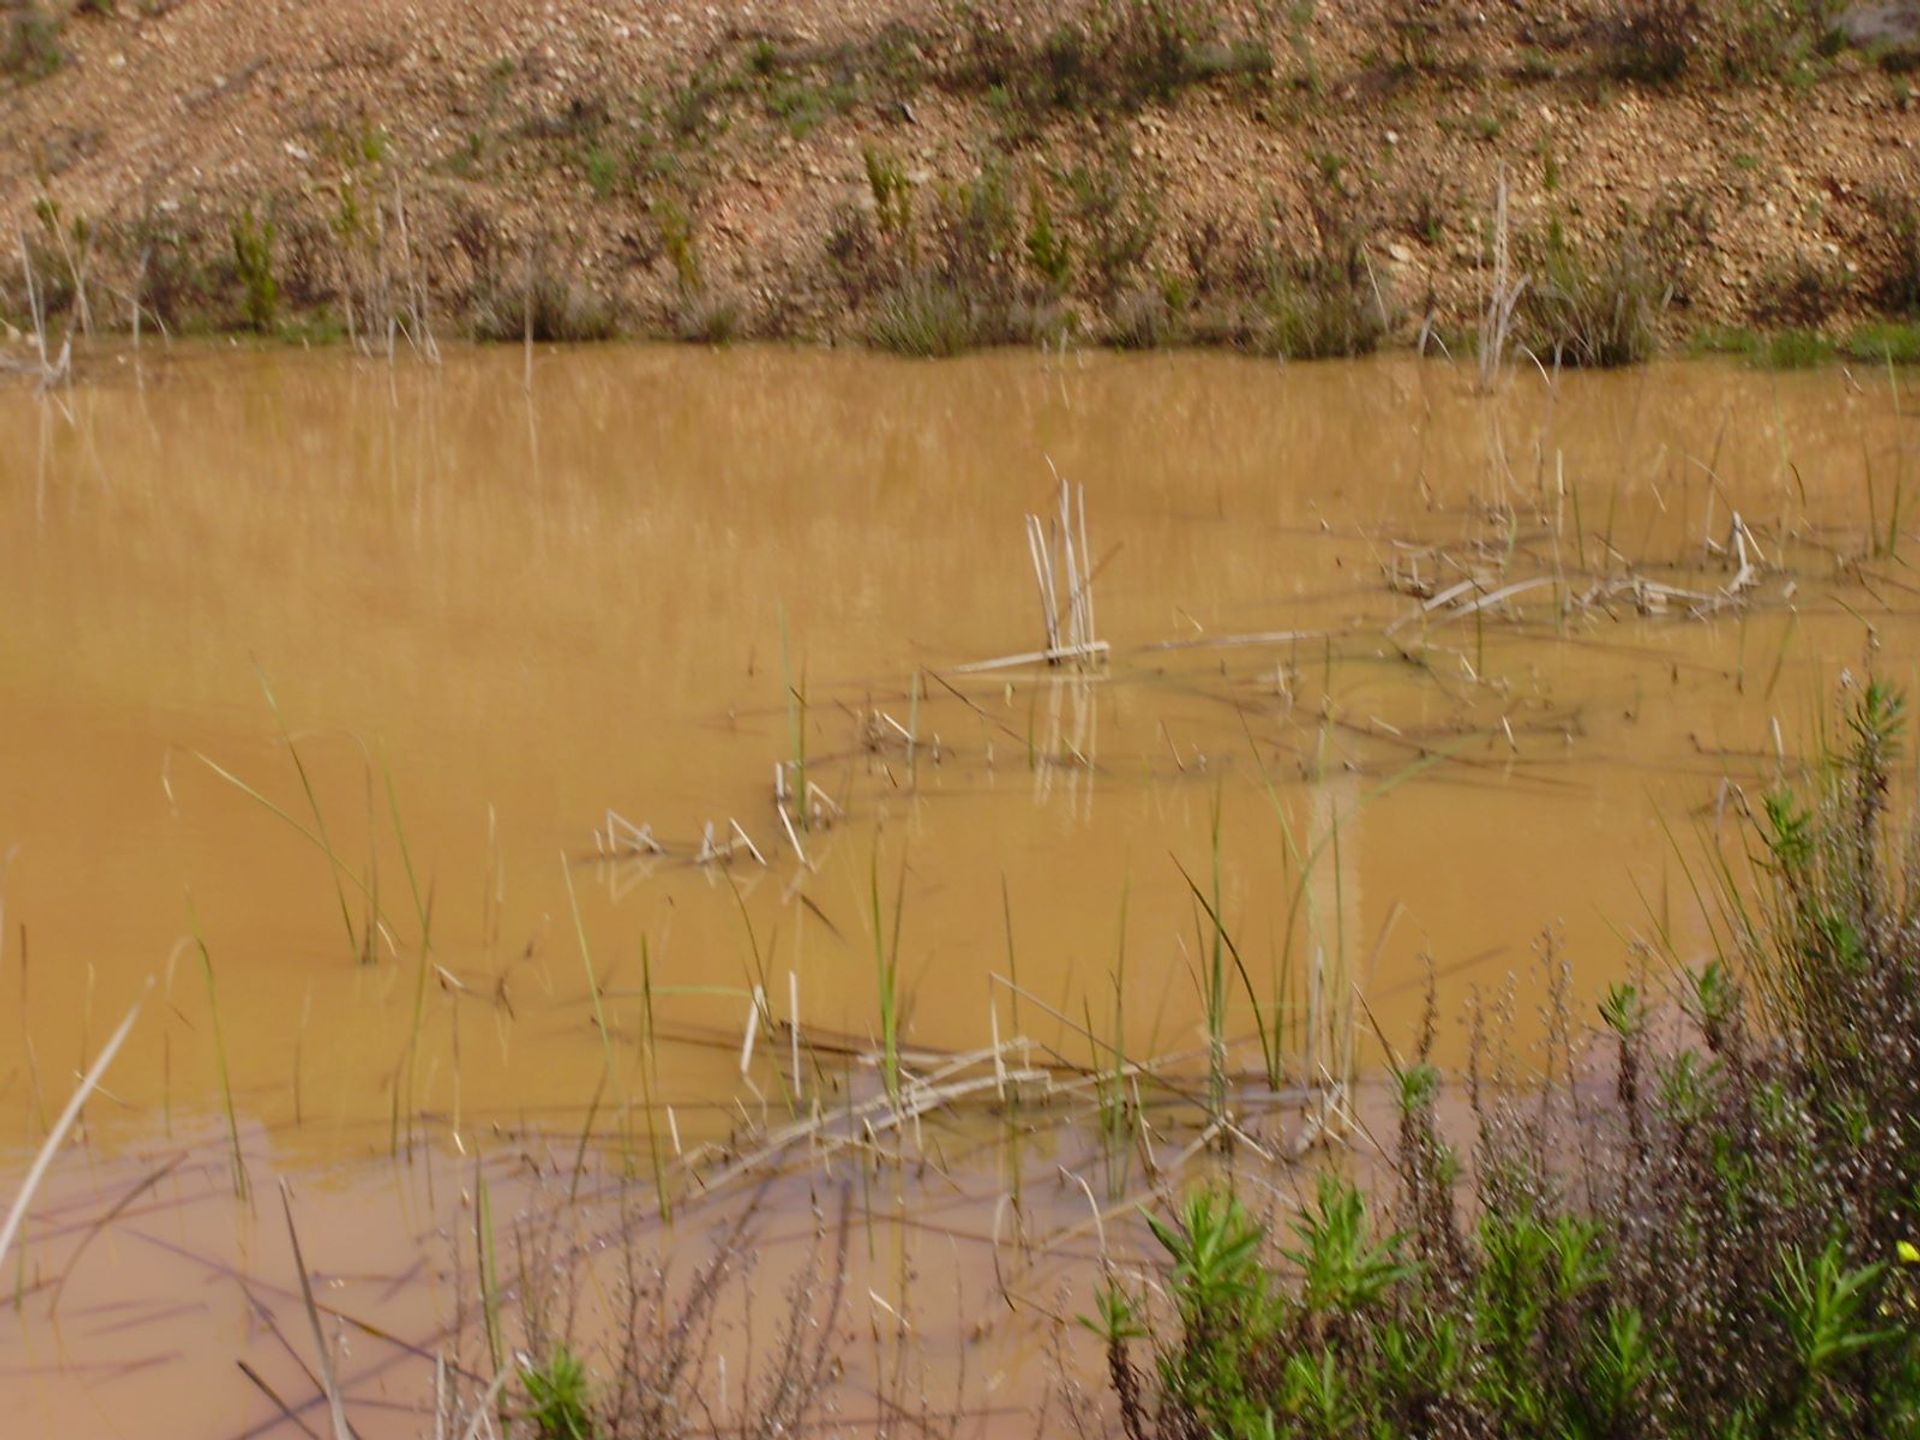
706,317
1895,342
1146,317
1304,302
954,276
603,171
1048,251
924,318
1100,55
30,42
1596,310
559,1396
699,313
1724,340
540,302
1663,41
1717,1243
931,318
1793,349
1323,308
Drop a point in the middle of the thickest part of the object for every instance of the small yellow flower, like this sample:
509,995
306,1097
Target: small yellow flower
1908,1252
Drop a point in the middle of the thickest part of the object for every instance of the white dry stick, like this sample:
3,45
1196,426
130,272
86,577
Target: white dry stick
793,1033
483,1412
754,1006
793,837
746,840
1505,592
51,1146
999,1059
1230,642
1033,657
1737,542
1043,578
33,303
1075,627
1086,556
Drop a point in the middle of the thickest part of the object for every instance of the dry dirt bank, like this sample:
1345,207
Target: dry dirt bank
784,167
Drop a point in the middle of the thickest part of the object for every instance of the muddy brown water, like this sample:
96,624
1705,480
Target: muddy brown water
490,616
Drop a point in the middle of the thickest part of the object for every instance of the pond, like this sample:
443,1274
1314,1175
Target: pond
630,760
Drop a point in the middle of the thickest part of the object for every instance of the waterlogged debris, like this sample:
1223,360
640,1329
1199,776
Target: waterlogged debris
620,838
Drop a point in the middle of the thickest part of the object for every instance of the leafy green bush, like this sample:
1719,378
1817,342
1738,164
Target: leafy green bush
1718,1245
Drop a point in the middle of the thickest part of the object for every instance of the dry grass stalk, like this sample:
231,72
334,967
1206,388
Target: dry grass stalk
1061,563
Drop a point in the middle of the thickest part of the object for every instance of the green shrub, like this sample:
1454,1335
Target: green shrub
1703,1228
1118,215
1048,252
253,264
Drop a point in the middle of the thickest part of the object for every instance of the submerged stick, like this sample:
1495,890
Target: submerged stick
1051,656
1228,642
